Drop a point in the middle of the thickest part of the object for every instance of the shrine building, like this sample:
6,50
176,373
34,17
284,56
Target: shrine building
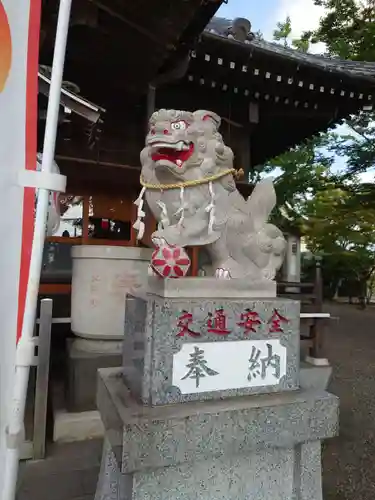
270,98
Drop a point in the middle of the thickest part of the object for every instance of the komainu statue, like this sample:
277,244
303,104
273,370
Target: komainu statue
188,182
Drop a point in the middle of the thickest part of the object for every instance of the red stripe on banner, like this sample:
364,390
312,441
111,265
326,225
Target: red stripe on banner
31,150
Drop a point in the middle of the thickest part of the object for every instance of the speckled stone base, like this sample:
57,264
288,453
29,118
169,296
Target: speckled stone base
153,335
210,288
264,447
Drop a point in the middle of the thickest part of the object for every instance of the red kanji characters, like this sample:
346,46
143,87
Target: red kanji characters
184,322
249,321
217,323
275,322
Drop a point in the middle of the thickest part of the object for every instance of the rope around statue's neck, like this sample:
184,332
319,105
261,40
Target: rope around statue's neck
139,225
179,185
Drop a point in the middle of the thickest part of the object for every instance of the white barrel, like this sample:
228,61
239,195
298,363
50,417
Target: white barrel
102,276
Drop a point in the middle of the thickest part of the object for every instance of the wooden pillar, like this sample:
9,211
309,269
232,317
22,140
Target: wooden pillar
253,122
318,326
133,232
85,220
245,154
318,286
253,113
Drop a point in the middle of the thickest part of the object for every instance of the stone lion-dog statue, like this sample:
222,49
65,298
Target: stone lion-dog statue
188,181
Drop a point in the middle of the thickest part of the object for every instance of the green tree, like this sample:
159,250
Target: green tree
347,29
345,238
283,33
323,205
335,211
302,44
358,149
302,172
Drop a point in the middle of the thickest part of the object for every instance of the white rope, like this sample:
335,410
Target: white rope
182,208
164,219
139,225
210,209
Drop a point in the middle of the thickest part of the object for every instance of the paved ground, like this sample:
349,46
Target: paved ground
349,466
69,473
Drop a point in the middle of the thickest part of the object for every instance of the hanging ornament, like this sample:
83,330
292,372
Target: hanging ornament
139,225
183,207
210,209
164,219
170,261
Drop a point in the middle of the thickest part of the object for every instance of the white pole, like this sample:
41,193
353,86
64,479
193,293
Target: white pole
24,348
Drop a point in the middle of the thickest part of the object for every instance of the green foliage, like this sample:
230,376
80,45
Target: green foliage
343,236
332,225
335,211
301,44
348,29
283,33
303,172
358,148
324,206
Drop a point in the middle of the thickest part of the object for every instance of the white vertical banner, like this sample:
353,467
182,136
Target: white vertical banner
19,40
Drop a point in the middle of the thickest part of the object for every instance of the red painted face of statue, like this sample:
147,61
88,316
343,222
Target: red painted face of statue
182,145
170,143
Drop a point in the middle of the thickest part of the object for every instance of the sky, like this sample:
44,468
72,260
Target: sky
265,14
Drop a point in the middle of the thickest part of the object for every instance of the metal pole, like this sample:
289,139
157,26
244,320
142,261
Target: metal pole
24,348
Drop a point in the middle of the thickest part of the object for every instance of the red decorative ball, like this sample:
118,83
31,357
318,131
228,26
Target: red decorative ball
170,262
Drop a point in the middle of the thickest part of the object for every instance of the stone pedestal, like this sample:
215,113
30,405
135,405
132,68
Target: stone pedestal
83,361
102,276
262,447
238,347
208,403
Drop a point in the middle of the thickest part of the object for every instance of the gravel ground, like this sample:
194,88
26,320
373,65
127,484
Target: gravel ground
348,460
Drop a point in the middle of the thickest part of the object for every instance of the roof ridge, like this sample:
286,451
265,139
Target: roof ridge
219,27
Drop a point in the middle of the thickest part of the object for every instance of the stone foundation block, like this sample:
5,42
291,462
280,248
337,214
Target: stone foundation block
82,375
179,350
264,447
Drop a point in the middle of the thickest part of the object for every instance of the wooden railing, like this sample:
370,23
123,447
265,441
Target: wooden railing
315,321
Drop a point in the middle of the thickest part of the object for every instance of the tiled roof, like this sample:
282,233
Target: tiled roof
220,27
